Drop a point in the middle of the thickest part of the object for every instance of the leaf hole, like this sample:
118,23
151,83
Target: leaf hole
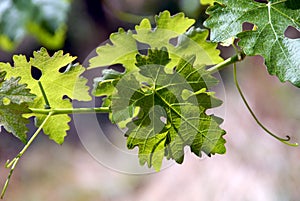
163,119
63,69
248,26
117,67
65,97
174,41
143,48
36,73
292,33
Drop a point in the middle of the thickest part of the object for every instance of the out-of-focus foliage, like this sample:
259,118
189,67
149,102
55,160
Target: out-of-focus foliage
43,19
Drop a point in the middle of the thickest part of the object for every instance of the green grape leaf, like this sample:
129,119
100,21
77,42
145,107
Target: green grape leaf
44,19
57,86
267,38
168,119
161,121
14,99
170,31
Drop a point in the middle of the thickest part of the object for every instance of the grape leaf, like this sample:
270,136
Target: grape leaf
167,120
14,99
44,19
271,19
125,45
57,85
152,116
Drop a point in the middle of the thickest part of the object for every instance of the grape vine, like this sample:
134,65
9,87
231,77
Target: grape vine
164,93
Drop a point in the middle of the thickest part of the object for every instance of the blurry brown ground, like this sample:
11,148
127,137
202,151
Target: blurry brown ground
255,167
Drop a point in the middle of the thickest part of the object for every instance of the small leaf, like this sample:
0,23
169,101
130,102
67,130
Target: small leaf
14,92
14,100
12,120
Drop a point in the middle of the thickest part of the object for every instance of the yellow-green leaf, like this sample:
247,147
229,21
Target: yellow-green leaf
57,86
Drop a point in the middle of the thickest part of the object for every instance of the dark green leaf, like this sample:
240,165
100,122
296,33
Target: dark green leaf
282,54
15,92
166,121
14,99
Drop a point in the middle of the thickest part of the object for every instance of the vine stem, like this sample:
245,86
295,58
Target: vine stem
49,112
283,140
231,60
12,164
56,111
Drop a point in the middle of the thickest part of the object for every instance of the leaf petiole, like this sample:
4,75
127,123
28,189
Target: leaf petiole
47,104
12,164
56,111
283,140
238,57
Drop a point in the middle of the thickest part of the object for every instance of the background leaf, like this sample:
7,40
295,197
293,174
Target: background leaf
44,19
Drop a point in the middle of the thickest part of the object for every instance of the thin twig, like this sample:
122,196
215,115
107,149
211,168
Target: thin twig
15,161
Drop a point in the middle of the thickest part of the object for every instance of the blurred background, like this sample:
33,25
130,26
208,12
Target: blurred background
255,167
